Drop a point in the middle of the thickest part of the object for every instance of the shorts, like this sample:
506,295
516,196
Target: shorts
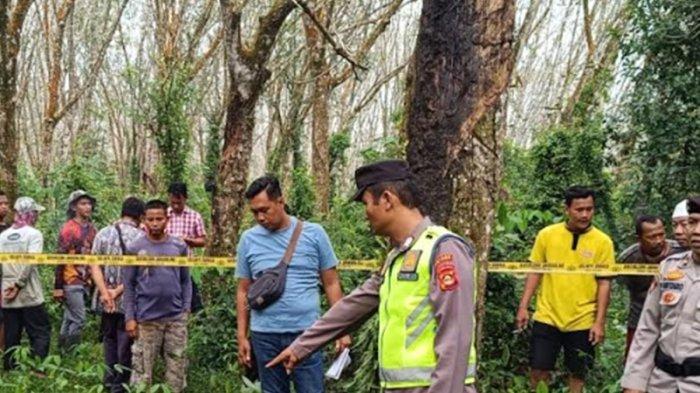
546,342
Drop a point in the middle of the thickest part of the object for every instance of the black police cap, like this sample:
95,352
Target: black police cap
379,172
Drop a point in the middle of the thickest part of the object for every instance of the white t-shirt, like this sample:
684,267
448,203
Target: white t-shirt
22,240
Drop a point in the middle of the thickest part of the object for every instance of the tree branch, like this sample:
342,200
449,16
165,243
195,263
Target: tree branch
230,20
94,69
365,47
19,12
268,27
198,31
202,61
337,47
55,70
587,29
367,99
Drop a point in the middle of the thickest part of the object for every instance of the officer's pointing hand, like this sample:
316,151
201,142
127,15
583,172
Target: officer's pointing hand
287,358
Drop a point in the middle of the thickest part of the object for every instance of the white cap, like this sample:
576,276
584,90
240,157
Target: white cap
26,205
681,210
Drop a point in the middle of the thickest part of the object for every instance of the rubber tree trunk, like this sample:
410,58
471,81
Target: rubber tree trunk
11,22
247,74
320,123
462,64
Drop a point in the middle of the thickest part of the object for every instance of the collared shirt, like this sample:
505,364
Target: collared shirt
638,286
568,301
188,223
107,243
670,322
454,311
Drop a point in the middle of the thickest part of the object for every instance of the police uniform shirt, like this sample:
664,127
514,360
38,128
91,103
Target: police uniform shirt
670,322
453,307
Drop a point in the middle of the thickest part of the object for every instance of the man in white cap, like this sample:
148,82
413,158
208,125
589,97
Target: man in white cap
23,298
679,219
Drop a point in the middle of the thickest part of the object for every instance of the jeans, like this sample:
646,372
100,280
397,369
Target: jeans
73,310
307,375
117,347
35,321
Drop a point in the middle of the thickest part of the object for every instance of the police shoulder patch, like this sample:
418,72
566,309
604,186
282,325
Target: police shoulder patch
444,257
446,272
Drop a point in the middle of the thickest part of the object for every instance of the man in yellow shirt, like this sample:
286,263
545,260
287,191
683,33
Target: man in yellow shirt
570,310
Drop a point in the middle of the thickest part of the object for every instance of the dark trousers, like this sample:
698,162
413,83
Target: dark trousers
35,321
307,375
117,348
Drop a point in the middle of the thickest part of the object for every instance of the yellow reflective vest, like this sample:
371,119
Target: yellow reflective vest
406,321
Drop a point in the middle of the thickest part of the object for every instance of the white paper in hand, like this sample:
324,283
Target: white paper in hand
339,365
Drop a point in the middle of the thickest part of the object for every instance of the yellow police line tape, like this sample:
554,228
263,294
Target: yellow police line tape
617,269
356,264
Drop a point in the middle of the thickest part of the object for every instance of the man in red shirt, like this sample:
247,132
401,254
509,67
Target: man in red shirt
71,281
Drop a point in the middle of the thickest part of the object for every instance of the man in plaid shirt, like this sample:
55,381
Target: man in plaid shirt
186,224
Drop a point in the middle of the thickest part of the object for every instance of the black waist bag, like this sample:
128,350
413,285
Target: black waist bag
267,288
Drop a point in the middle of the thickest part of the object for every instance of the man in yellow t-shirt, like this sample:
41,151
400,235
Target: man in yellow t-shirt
571,308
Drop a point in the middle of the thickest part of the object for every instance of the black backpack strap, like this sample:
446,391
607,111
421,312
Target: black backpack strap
121,238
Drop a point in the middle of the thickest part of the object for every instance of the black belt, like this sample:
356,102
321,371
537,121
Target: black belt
689,368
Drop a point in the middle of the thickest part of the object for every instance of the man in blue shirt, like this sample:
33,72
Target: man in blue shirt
275,327
157,301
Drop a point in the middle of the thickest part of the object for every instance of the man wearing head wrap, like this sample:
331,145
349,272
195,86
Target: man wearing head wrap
71,280
23,298
679,219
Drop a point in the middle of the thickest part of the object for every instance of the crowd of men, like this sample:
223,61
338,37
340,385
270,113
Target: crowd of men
143,309
571,309
424,292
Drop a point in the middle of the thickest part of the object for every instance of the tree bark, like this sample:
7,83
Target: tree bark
462,61
320,122
247,75
11,22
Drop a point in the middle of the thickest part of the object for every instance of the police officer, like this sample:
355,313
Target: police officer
424,294
665,353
